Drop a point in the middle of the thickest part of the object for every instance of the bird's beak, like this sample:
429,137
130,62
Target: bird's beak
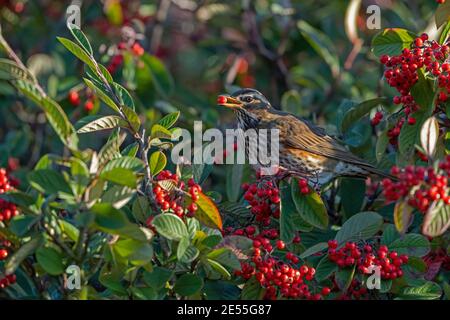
229,102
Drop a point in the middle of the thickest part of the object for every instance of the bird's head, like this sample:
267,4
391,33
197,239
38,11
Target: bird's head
249,104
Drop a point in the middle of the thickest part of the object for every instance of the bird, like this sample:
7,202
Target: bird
305,150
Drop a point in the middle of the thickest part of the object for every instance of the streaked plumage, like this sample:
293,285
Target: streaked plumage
305,149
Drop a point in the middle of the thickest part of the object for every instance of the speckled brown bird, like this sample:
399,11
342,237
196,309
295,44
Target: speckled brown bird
305,150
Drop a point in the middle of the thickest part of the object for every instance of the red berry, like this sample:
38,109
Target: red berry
3,254
281,245
89,105
74,98
221,100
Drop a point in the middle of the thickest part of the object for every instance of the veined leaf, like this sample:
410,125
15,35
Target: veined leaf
207,212
158,162
78,52
9,70
359,227
392,41
402,216
81,38
429,134
170,226
102,95
103,123
169,120
360,110
437,221
310,207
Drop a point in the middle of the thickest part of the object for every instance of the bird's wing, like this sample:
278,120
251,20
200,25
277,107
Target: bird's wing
307,137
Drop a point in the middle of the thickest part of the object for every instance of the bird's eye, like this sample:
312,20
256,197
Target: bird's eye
247,99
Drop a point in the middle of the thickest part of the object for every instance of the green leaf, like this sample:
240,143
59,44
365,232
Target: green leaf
158,162
170,226
437,221
132,117
359,227
252,290
24,251
125,162
118,196
190,254
322,44
410,134
18,197
325,269
382,143
9,70
124,96
160,76
288,213
169,120
120,176
442,14
103,123
53,112
69,229
158,277
50,260
411,244
78,52
392,41
102,95
310,207
226,257
423,93
344,278
402,216
313,250
234,175
188,284
389,234
159,131
49,182
428,291
22,224
81,38
445,33
182,247
141,208
207,212
219,268
109,218
355,113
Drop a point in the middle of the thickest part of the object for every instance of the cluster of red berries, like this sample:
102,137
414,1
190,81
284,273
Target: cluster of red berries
9,279
355,291
420,186
75,100
117,59
377,119
174,200
440,1
279,278
402,73
303,185
7,209
264,199
364,257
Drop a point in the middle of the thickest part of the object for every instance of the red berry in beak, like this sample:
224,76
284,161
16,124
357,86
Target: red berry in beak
221,99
